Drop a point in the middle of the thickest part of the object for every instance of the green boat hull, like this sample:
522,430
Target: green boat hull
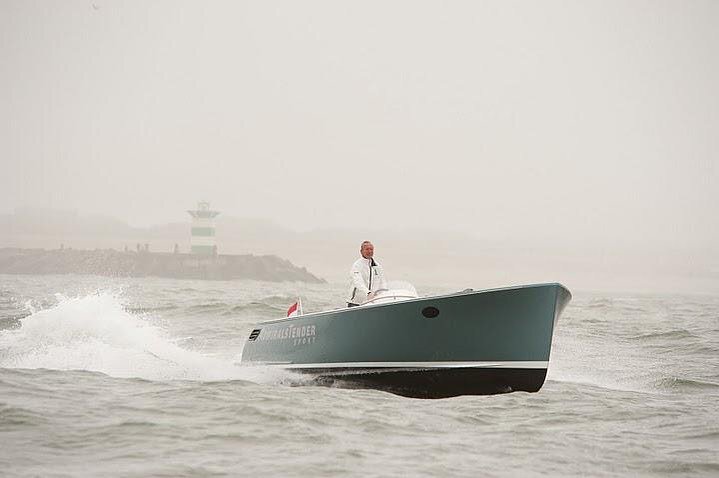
468,343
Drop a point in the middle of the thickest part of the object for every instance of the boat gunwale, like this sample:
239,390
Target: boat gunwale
434,297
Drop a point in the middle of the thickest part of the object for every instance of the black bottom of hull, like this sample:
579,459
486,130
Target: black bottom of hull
434,383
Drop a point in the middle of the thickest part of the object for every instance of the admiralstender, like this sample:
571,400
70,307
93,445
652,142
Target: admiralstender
289,332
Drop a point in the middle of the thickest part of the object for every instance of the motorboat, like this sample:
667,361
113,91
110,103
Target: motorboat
473,342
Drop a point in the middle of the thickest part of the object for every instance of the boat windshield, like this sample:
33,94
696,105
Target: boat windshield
403,286
396,291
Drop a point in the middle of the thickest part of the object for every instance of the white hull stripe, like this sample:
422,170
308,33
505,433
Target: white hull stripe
531,365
